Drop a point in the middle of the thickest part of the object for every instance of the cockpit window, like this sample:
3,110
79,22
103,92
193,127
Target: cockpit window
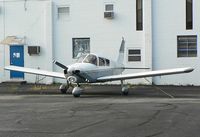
91,59
101,61
107,62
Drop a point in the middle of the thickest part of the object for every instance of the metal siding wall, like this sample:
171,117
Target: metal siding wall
87,20
34,24
168,22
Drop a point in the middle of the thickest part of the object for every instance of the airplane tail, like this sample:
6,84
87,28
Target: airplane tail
120,59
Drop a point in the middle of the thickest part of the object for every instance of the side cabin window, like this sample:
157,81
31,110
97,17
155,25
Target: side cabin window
91,59
107,62
104,62
101,62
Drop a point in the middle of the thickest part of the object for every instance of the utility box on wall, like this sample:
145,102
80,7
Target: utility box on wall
33,50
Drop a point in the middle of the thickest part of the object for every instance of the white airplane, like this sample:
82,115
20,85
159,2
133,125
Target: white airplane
92,68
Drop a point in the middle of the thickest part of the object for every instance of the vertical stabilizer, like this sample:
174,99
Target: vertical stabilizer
120,59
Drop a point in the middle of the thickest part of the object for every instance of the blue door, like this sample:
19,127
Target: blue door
17,59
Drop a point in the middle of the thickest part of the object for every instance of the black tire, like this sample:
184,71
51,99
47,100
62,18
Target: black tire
63,91
125,93
77,96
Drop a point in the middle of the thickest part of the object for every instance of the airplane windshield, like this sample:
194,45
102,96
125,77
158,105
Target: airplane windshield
81,58
91,59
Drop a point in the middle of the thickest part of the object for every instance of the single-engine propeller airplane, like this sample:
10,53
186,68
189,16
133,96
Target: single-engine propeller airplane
92,68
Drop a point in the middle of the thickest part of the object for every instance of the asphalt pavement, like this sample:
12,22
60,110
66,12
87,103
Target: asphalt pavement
41,111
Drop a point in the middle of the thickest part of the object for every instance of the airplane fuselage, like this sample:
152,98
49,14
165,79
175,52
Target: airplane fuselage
90,72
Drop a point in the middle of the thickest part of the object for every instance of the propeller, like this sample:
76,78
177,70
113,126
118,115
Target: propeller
61,65
76,72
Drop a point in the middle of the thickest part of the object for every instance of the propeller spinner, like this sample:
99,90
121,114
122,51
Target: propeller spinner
66,69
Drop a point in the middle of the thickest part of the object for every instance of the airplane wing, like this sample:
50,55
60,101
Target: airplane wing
145,74
36,71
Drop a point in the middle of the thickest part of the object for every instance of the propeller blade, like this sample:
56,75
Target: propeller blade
60,65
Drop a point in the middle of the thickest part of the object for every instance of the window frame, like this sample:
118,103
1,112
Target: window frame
134,55
108,4
84,51
139,15
189,14
187,49
60,16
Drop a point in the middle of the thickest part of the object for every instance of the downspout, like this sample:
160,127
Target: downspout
4,35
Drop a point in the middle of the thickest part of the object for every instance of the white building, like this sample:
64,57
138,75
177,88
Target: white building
153,30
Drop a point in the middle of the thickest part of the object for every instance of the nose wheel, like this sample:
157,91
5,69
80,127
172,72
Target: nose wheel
76,92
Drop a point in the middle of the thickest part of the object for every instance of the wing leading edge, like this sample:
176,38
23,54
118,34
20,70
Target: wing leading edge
106,78
145,74
36,71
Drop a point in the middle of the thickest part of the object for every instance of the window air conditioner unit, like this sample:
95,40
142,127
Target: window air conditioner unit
109,14
33,50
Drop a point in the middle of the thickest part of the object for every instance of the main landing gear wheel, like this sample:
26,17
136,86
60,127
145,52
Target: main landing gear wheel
125,93
63,91
63,88
125,90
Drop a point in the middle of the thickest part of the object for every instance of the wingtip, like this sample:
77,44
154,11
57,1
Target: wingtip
188,70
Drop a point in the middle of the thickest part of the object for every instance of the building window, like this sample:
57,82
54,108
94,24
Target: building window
80,47
189,14
109,7
187,46
63,12
134,55
139,14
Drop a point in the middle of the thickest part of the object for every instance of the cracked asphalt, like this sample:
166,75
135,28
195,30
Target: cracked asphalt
100,112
